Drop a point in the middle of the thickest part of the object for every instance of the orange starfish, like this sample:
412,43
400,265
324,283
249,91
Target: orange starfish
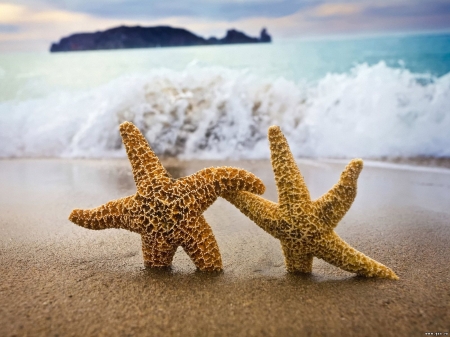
168,212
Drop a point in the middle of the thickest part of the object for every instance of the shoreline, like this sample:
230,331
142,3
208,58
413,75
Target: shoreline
58,278
419,161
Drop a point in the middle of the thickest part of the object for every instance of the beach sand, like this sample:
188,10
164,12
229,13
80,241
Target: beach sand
58,279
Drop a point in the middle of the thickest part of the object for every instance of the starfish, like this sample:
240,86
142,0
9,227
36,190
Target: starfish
167,213
305,227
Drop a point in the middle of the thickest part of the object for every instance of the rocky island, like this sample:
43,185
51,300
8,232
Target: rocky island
125,37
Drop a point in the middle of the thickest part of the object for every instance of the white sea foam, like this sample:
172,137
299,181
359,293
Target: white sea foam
218,113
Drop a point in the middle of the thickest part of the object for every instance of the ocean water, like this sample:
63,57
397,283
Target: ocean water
336,98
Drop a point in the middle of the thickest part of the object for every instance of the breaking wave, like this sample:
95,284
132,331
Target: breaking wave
217,113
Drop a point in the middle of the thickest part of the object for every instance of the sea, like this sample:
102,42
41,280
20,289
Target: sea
368,97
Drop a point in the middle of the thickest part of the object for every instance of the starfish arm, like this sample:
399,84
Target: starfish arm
296,260
114,214
337,252
293,195
199,243
333,205
200,190
157,250
261,211
144,163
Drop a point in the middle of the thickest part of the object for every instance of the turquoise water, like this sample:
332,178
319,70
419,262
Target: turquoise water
314,87
295,60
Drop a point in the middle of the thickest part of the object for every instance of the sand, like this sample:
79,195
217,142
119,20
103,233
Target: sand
58,279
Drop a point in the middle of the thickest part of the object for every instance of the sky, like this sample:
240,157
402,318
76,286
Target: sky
34,24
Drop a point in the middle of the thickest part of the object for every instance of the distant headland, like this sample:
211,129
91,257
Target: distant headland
124,37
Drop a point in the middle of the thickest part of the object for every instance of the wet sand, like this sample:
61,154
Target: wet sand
58,279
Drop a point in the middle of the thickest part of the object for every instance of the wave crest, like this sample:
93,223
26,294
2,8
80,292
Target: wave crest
216,113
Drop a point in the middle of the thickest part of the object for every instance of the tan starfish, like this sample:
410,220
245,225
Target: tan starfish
305,227
168,212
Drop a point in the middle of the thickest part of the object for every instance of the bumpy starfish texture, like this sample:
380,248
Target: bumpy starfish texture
168,212
305,227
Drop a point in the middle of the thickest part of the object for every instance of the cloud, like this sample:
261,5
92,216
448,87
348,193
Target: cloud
10,12
337,9
23,28
405,9
9,28
18,14
204,9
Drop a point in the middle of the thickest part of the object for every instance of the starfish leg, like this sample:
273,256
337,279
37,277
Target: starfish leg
293,195
113,214
144,163
157,250
210,183
340,254
199,243
333,205
296,260
263,212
